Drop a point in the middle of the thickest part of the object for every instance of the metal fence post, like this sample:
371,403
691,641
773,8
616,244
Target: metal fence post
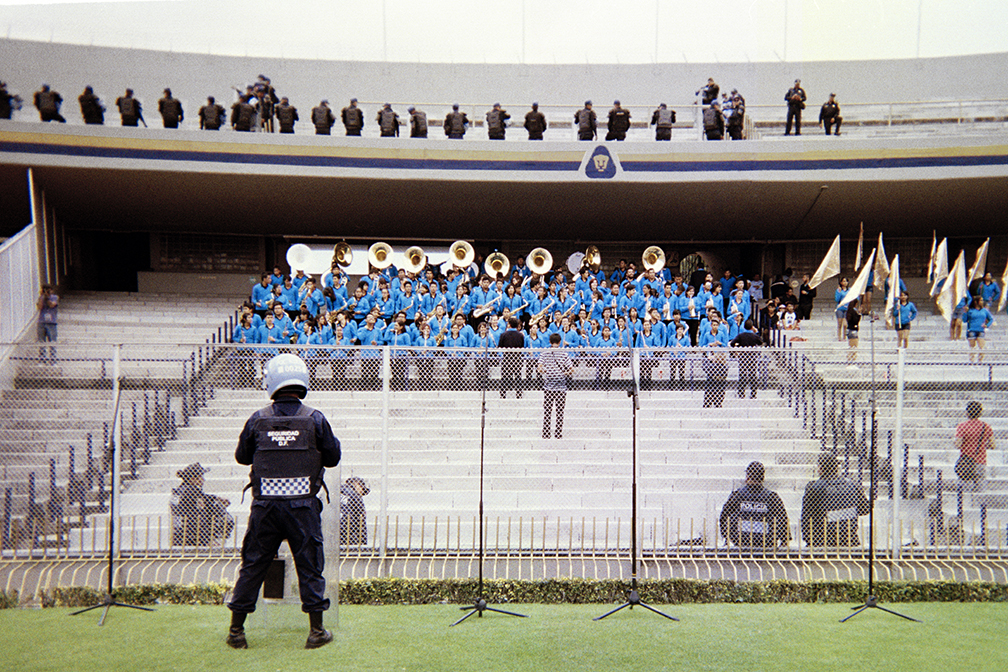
383,505
898,440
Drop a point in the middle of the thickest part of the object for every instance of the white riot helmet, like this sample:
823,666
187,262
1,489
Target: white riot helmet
285,371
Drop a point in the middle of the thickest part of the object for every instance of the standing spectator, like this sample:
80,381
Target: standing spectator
211,115
535,123
586,122
713,122
48,318
973,439
456,123
287,115
512,341
662,119
171,110
352,513
795,98
324,120
709,93
388,122
267,101
715,365
288,446
903,313
418,123
619,122
130,110
806,297
554,366
753,516
977,319
829,115
988,290
748,358
353,118
91,107
496,120
48,102
736,120
8,102
831,506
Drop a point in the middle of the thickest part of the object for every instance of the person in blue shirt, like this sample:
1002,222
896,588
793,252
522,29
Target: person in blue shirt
903,314
283,321
633,323
370,335
288,296
427,343
262,294
407,302
956,324
461,303
386,305
340,353
989,290
715,363
841,291
619,273
977,319
659,328
605,357
299,278
691,309
455,343
678,342
625,336
310,296
277,278
271,334
311,353
398,337
246,334
739,303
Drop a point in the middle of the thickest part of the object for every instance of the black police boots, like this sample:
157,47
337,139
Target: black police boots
317,636
236,634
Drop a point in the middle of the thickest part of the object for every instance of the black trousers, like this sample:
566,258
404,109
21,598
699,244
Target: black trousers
553,398
714,387
511,374
828,123
271,521
793,114
747,374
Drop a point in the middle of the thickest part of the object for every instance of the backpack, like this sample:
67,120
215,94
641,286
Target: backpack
584,121
420,122
710,119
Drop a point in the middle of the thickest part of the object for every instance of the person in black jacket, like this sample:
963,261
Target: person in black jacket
748,358
211,115
352,513
709,93
795,98
535,123
512,341
8,102
619,122
496,122
456,123
91,107
806,298
829,115
242,115
713,122
171,110
130,110
586,122
323,119
48,104
831,506
754,517
287,115
353,118
662,120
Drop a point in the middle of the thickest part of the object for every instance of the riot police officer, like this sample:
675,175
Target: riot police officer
753,516
288,445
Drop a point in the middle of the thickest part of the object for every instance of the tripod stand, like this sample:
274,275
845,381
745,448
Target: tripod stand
633,597
108,601
480,605
871,602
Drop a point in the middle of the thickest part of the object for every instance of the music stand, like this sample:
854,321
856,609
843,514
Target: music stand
871,602
107,600
480,605
633,597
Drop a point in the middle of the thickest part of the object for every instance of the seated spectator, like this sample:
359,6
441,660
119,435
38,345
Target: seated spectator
754,517
353,515
790,321
198,518
831,506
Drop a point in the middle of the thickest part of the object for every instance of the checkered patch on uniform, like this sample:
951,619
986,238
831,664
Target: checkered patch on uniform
285,487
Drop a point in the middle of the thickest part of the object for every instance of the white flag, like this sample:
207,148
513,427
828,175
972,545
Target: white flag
830,265
858,288
1004,289
980,265
860,248
941,267
892,298
881,265
934,249
954,289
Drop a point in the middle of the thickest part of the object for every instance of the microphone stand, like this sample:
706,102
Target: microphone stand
871,602
480,605
633,597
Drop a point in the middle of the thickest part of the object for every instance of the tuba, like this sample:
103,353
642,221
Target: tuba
461,254
297,256
342,255
415,260
592,259
653,259
497,264
380,255
539,261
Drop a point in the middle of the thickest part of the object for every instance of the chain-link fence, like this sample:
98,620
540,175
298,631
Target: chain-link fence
545,441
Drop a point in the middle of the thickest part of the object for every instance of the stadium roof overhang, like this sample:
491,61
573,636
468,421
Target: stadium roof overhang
780,189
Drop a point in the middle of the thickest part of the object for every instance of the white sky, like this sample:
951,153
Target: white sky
523,31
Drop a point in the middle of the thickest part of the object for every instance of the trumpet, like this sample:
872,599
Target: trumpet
485,308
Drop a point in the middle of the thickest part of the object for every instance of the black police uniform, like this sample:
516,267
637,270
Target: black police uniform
830,509
754,517
288,445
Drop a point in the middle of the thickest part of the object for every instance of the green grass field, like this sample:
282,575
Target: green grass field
760,637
